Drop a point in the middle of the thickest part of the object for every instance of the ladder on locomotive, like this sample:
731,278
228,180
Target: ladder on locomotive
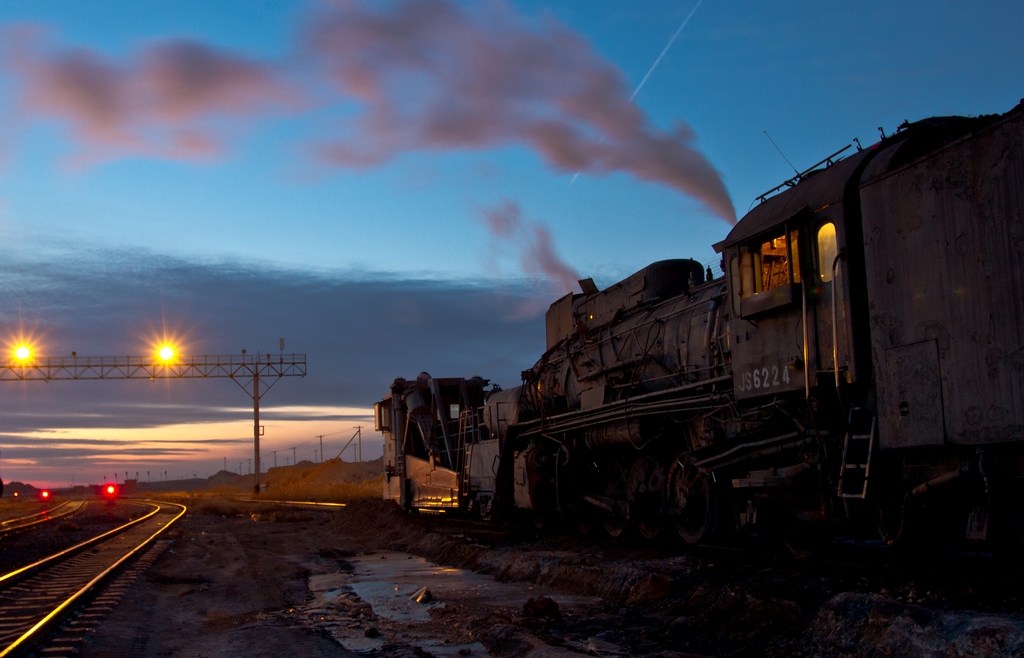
858,448
469,428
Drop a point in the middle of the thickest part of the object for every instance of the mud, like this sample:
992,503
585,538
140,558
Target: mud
370,580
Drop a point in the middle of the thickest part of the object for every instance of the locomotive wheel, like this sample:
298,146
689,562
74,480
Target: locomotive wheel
645,490
585,525
614,527
689,495
649,528
614,489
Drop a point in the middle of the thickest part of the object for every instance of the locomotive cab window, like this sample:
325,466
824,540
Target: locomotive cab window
382,416
763,273
827,250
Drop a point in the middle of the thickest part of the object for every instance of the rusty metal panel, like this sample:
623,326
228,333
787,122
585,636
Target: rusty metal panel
767,356
910,397
431,486
559,321
944,245
483,465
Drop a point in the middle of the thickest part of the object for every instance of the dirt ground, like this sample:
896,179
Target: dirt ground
257,580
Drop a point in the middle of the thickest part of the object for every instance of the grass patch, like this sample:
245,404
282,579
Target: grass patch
324,492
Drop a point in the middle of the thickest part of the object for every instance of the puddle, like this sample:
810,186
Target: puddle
389,576
387,581
392,601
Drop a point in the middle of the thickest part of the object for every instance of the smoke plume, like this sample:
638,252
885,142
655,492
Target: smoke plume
437,75
161,101
533,241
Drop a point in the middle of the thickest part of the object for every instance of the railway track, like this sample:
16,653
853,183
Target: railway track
67,508
35,598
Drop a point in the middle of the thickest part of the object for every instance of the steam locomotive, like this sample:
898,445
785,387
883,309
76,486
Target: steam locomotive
858,365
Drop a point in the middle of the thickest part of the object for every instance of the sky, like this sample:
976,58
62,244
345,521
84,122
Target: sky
397,186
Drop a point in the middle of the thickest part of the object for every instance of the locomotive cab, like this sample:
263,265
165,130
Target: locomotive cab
790,289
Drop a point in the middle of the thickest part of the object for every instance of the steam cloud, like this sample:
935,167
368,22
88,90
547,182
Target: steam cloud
161,104
536,251
421,74
434,75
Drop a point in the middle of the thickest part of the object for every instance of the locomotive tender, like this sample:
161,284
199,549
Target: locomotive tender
859,364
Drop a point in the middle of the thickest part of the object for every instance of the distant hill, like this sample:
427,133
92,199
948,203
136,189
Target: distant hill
332,471
20,487
305,475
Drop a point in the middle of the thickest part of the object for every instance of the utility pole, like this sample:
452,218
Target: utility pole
225,463
294,462
239,468
359,434
275,458
321,437
256,424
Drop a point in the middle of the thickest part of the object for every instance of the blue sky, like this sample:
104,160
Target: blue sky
422,246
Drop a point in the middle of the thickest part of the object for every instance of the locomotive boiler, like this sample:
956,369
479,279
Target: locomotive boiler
858,365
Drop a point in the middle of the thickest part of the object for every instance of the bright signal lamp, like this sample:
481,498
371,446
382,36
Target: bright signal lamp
22,352
111,489
44,494
166,353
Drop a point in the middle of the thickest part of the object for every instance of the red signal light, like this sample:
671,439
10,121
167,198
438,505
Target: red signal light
110,490
44,494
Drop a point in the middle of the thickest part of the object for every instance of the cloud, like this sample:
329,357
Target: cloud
160,101
436,75
358,334
418,75
533,241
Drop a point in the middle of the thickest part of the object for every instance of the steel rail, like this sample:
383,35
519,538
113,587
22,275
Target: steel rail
9,579
20,523
271,501
26,639
304,502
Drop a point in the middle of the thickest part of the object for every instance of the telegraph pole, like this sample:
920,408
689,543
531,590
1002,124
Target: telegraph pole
275,458
321,437
256,426
294,462
359,433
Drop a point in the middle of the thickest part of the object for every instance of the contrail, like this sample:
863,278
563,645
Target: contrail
655,64
665,50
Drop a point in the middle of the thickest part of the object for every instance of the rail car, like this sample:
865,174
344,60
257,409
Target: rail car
858,365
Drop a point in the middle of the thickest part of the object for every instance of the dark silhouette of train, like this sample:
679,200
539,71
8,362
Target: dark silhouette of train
858,366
